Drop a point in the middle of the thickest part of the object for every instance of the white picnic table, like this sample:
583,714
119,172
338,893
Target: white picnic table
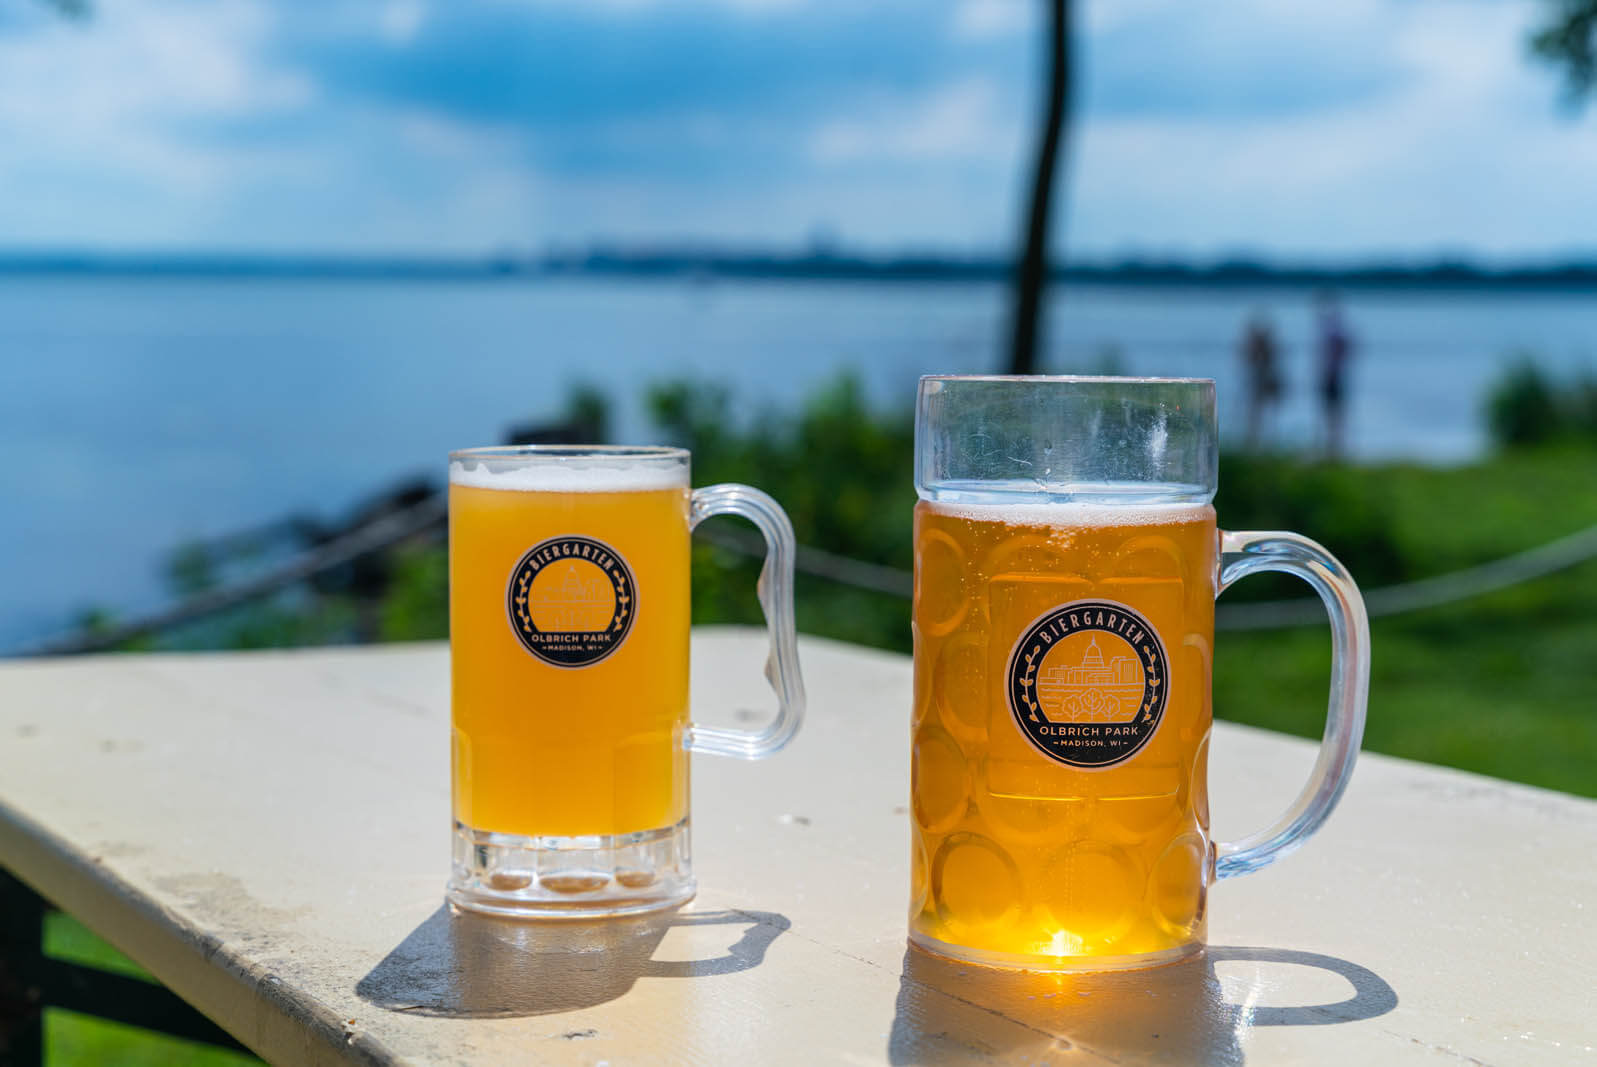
268,833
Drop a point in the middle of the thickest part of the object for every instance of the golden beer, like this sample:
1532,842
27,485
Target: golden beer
1061,728
570,671
569,609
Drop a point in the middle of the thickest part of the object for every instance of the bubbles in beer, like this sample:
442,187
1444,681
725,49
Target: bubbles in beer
1030,856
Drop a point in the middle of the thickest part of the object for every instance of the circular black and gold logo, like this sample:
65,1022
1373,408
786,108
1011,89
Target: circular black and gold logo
572,600
1087,683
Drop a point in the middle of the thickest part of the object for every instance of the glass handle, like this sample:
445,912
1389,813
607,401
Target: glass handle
1249,553
776,599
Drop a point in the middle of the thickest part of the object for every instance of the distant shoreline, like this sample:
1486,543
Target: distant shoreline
713,265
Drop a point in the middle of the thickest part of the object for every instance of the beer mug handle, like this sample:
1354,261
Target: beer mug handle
1250,553
776,600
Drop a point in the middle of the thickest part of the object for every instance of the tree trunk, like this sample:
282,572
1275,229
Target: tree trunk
1031,275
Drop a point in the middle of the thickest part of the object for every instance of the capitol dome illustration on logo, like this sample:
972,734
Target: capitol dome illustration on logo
573,596
1094,690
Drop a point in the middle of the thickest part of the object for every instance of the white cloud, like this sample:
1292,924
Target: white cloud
143,127
142,60
107,96
1101,15
1467,152
624,7
977,19
400,20
133,129
959,121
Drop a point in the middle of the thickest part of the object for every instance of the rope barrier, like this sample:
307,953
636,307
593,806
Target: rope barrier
1450,588
430,514
374,536
1437,591
844,570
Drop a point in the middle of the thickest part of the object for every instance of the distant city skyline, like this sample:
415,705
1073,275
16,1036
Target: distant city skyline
1406,129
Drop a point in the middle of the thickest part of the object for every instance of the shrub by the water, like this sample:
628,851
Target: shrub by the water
1520,409
1336,505
843,474
1527,406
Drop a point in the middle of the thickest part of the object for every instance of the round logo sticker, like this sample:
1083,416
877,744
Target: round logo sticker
572,600
1087,683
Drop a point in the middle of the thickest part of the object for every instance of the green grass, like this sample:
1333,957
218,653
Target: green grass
1452,517
1502,684
71,1040
70,941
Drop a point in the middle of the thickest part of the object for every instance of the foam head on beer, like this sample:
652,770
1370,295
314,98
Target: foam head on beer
587,475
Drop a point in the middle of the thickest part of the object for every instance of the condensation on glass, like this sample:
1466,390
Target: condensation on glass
569,614
1066,566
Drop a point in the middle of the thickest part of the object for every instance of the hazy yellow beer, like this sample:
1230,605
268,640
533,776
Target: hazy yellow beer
569,614
1059,804
543,747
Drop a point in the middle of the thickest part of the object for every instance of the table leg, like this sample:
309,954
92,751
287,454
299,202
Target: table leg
21,963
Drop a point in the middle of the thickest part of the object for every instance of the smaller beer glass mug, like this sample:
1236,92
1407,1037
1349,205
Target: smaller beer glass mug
568,615
1066,568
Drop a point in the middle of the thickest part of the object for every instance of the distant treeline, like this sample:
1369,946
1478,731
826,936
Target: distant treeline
709,264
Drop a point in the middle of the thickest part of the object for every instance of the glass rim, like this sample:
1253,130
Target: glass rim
1092,379
638,452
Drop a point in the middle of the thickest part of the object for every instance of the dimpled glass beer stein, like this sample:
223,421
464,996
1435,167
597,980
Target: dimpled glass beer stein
568,615
1067,563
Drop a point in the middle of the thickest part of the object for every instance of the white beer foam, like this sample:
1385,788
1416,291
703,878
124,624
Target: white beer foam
1073,514
587,474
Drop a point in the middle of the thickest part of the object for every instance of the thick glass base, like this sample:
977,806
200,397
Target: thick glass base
1012,961
585,877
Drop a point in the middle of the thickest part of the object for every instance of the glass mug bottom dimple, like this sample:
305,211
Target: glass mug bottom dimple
572,876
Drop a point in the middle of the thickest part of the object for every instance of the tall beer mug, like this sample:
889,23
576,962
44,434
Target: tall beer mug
568,614
1066,568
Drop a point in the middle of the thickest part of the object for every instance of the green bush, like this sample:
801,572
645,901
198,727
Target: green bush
416,605
1528,406
1339,506
843,474
1520,408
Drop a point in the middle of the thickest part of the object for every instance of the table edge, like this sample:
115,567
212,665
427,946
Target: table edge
270,1017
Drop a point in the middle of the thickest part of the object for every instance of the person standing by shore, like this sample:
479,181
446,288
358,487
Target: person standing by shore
1336,352
1261,366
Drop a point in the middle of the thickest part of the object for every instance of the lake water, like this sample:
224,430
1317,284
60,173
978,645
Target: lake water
135,414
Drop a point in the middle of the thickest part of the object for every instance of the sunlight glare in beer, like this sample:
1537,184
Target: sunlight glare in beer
1065,943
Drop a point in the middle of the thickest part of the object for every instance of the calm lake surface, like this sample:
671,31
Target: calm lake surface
136,414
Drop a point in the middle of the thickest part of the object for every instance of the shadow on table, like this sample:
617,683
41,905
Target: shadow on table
953,1012
464,965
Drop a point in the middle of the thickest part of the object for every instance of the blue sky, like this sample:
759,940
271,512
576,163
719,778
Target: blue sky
1364,127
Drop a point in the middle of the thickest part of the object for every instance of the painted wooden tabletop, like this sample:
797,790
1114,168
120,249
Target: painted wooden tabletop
268,834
